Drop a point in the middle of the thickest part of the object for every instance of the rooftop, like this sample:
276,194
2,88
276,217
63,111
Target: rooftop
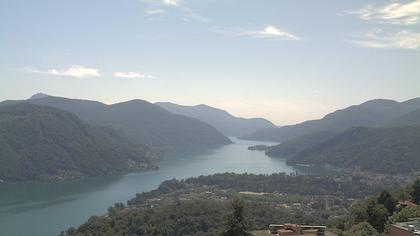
413,225
267,233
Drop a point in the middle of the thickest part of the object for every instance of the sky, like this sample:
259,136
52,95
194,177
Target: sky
284,60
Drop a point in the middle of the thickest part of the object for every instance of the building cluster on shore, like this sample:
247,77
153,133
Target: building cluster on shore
293,229
409,228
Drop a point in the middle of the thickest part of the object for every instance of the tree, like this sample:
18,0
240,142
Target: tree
361,229
377,215
236,223
415,192
388,201
404,193
372,212
150,229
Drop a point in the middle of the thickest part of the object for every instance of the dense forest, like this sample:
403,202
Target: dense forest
374,215
42,143
195,217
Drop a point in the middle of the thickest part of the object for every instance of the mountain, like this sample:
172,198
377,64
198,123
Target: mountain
290,148
41,143
305,140
390,150
371,113
39,95
411,118
226,123
142,121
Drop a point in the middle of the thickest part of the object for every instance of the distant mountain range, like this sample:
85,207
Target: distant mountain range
140,120
43,143
226,123
49,138
371,113
378,135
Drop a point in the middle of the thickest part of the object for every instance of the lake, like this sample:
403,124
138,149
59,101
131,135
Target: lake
43,209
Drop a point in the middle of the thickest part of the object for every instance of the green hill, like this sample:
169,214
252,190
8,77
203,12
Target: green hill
40,143
293,147
387,150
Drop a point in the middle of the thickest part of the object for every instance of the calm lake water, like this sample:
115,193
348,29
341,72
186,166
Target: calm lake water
43,209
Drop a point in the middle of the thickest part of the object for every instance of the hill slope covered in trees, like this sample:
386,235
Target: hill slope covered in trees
387,150
39,143
392,130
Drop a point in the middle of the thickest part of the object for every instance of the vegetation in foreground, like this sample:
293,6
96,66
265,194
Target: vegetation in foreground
233,204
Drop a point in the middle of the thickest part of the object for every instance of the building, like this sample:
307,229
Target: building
402,204
295,229
410,228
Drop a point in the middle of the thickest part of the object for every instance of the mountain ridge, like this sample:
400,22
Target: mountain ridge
222,120
142,121
375,112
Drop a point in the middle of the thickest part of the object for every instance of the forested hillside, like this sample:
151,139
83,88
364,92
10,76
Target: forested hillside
387,141
394,150
43,143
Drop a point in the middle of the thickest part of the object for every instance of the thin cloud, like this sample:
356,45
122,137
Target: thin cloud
190,14
403,39
154,11
273,32
72,71
392,13
171,2
132,75
268,32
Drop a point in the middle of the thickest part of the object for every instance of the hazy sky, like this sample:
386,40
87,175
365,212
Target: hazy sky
285,60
